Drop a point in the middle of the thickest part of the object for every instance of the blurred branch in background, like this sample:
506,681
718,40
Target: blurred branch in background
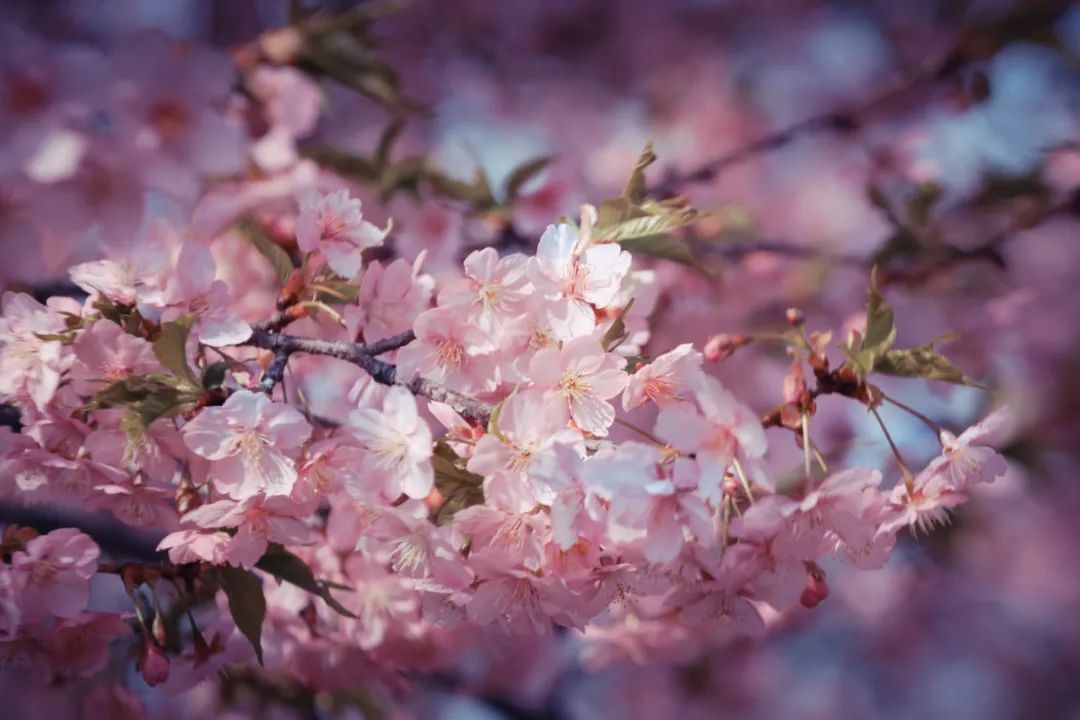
1032,21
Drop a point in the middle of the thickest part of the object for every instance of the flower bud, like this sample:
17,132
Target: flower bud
816,588
153,665
795,317
722,346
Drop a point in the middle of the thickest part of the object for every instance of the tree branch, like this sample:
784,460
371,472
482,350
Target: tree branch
363,356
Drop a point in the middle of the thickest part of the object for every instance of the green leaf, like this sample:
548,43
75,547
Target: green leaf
880,328
279,259
386,142
343,163
667,247
922,202
524,173
616,210
459,487
617,332
922,361
214,374
647,226
141,414
287,567
147,398
246,603
110,310
634,191
170,348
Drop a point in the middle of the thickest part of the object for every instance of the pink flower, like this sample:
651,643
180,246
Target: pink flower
56,571
383,602
576,277
493,289
333,225
167,104
669,377
653,496
515,599
529,423
585,377
720,430
941,485
397,446
191,287
123,280
421,550
450,349
79,646
136,503
327,465
559,479
105,353
250,443
30,366
259,521
847,508
390,297
291,104
196,545
967,459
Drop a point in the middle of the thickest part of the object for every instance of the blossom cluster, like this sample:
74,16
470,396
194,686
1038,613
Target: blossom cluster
475,479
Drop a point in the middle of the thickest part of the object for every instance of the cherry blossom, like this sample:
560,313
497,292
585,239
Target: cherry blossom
585,377
576,278
333,225
30,365
397,443
250,442
669,377
54,573
259,520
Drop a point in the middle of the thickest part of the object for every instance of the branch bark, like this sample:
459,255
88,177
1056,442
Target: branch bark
363,356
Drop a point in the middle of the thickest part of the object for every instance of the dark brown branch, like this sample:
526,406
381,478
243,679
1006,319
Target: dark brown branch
380,371
992,250
837,382
842,120
391,343
275,372
974,43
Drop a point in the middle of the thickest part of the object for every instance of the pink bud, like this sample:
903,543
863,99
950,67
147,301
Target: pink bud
721,346
816,589
153,665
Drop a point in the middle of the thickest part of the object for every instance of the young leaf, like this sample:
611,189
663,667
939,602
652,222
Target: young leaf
445,463
667,247
878,336
924,362
459,487
523,174
647,226
617,332
214,374
880,328
634,191
279,259
246,603
286,567
170,348
386,142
